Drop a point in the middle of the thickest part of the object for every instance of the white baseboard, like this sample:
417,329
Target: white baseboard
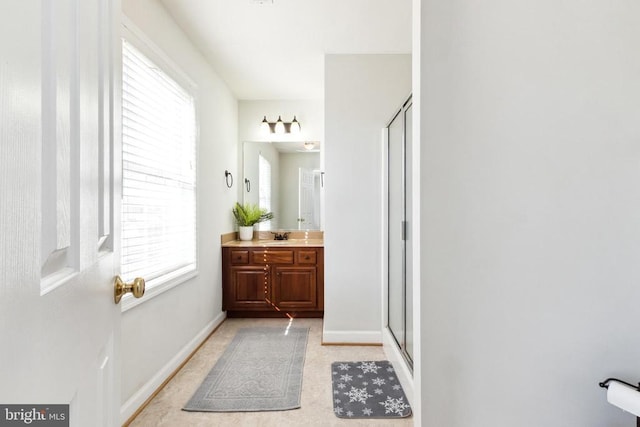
137,400
394,356
351,337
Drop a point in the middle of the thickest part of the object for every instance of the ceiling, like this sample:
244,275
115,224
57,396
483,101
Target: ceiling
276,50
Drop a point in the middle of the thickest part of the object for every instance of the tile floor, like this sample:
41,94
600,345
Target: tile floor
316,403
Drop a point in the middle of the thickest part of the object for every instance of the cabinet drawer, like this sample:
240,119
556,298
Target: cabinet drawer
306,257
271,257
239,257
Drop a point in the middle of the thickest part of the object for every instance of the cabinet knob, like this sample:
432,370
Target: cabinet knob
307,257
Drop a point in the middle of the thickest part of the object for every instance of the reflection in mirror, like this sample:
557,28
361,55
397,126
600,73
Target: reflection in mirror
284,178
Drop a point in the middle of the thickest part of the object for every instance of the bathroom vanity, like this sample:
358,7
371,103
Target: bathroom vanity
273,278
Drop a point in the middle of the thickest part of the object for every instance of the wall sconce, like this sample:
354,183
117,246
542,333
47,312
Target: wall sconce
279,127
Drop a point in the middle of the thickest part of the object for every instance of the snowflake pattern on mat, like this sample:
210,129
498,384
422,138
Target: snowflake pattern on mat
378,381
346,378
358,395
394,406
367,389
368,367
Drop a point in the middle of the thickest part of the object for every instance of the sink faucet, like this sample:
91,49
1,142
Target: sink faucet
280,236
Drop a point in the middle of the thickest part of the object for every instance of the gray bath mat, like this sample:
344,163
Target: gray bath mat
367,390
261,370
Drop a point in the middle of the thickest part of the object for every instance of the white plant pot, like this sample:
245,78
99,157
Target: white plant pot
245,233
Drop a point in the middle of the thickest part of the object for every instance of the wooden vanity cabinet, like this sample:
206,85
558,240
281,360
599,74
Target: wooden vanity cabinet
273,282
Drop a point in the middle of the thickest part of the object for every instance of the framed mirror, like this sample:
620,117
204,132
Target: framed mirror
284,178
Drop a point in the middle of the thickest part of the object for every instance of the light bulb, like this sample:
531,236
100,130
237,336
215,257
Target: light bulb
295,125
264,126
279,126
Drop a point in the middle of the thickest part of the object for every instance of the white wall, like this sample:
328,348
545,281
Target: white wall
530,163
361,94
155,333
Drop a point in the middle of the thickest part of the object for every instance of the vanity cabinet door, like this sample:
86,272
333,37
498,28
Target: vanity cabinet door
247,289
295,288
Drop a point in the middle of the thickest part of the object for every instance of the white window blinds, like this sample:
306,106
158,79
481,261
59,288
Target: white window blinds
264,183
264,189
159,171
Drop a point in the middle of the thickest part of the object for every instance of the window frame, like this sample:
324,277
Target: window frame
134,36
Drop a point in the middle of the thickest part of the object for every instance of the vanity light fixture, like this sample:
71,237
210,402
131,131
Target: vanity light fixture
279,127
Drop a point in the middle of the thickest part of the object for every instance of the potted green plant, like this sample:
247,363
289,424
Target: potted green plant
247,215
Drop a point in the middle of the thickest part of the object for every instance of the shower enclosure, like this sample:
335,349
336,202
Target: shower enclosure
399,284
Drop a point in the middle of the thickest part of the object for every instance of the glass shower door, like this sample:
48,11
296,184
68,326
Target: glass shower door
396,229
400,292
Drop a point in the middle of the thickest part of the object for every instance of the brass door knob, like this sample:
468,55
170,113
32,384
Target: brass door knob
121,288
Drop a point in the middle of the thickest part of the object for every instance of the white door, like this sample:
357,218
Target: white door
59,177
